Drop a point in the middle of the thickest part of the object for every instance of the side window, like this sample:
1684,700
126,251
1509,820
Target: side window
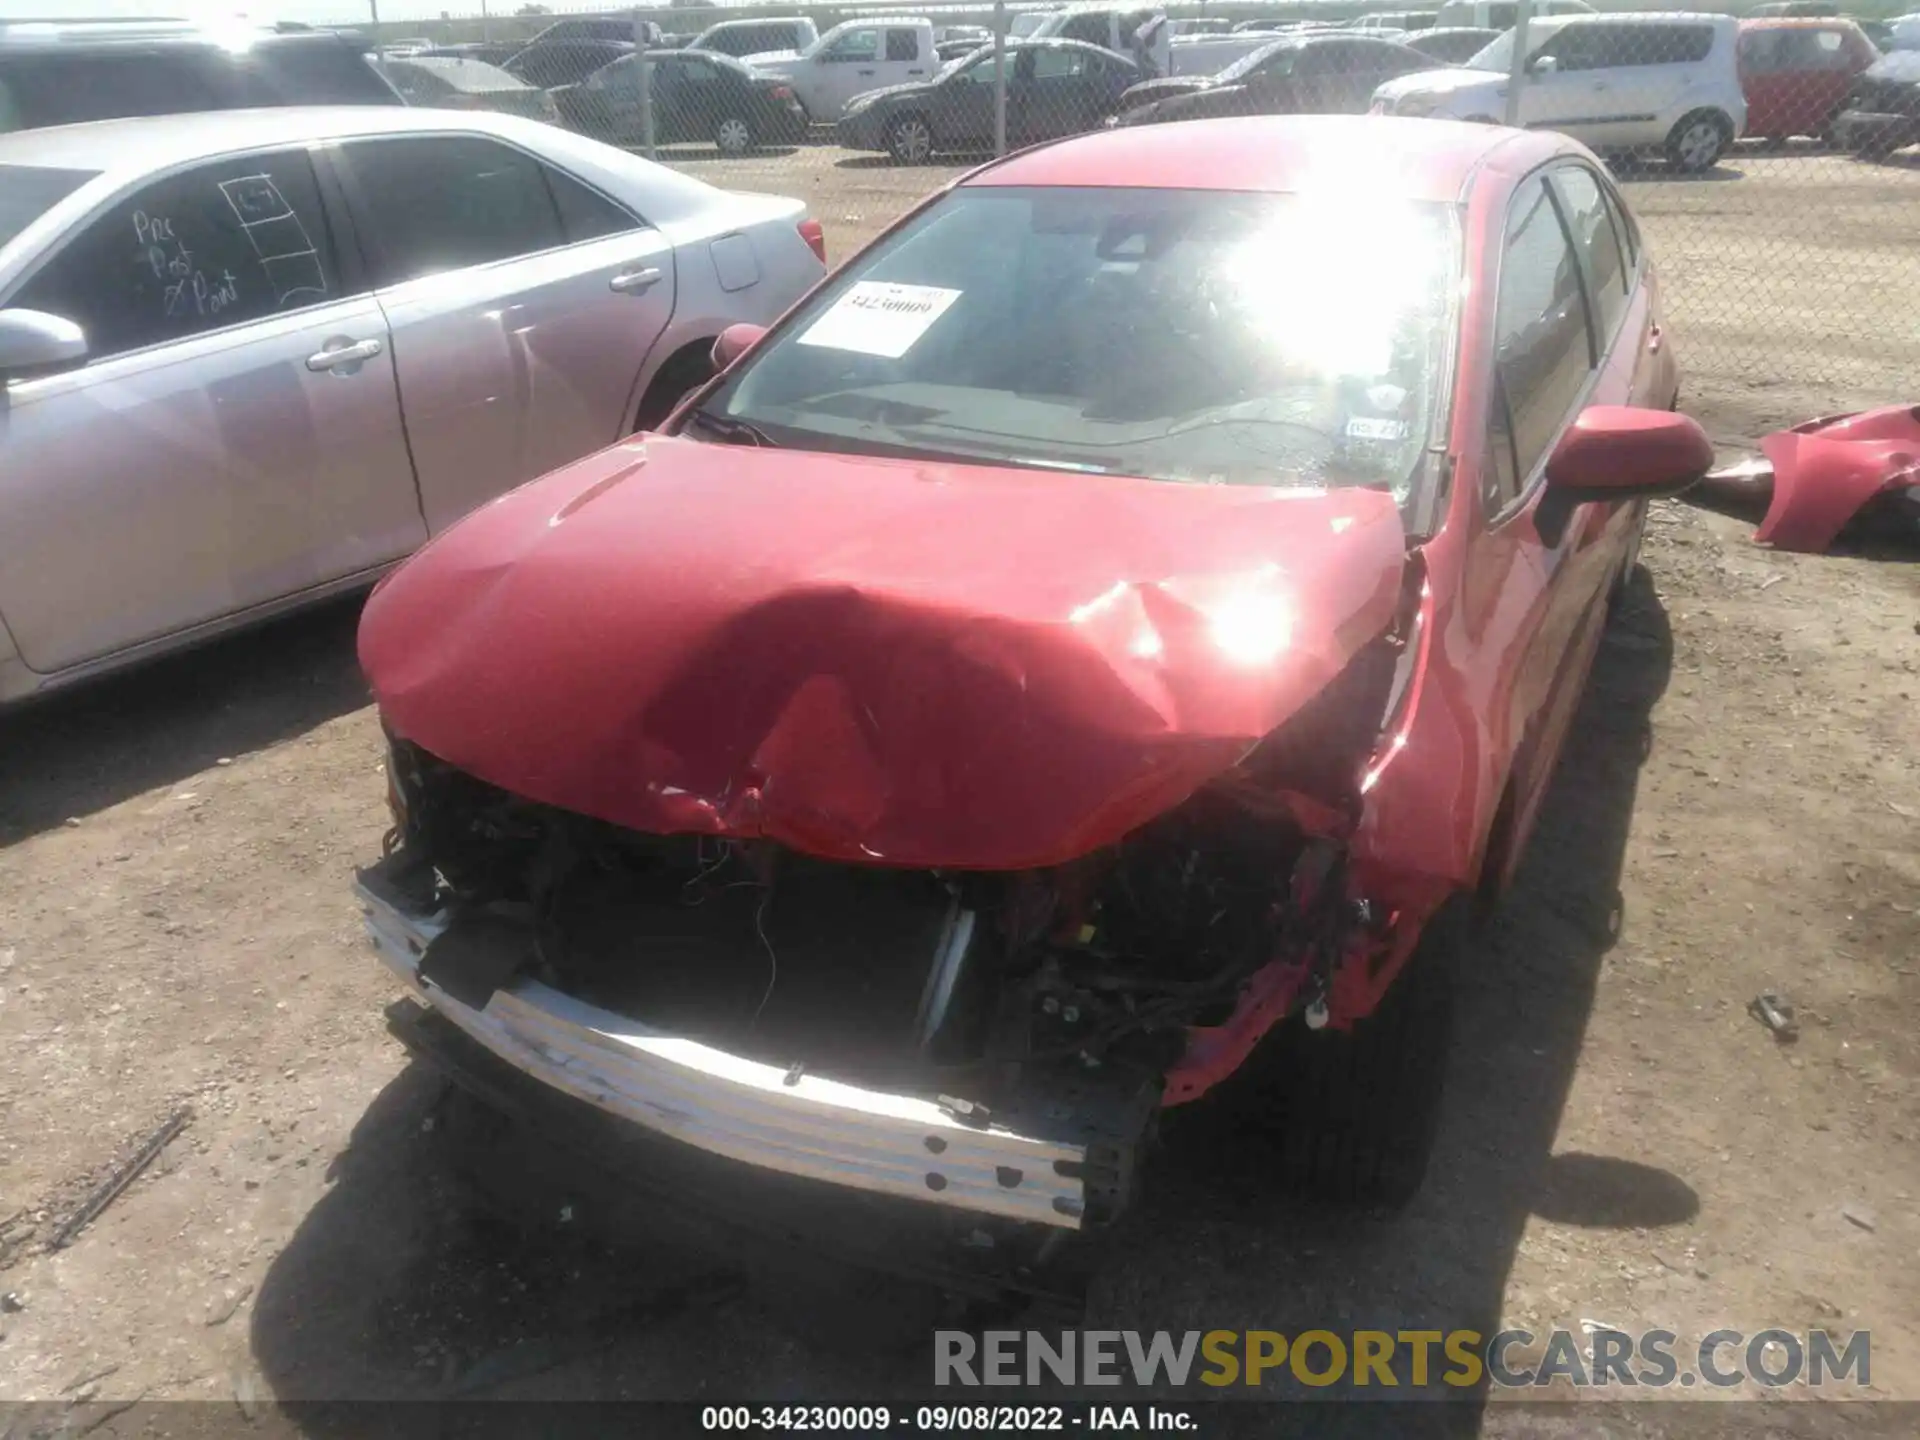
1626,228
585,214
224,244
445,202
854,47
1653,44
903,45
1090,27
1058,63
1598,246
1540,329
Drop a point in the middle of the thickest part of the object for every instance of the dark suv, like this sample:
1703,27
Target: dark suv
55,74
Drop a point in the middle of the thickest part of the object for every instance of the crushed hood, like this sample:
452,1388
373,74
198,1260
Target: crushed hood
898,661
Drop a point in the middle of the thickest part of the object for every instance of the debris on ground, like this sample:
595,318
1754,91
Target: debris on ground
12,1303
1776,1014
225,1303
92,1377
123,1175
1860,1216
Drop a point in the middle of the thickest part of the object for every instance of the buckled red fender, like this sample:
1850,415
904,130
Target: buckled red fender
1825,470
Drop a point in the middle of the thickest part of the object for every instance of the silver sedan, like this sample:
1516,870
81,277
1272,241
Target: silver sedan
252,359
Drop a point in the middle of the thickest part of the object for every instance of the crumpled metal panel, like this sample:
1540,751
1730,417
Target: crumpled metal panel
1825,470
922,664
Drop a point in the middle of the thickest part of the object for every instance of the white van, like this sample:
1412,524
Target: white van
852,58
1621,82
1503,14
742,38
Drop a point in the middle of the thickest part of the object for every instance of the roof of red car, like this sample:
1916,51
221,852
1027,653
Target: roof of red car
1417,159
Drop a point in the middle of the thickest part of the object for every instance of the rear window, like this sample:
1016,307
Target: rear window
28,191
1183,335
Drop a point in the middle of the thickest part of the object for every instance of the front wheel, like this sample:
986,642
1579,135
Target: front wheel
1698,141
910,140
733,136
1356,1112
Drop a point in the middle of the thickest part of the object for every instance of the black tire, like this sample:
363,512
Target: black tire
910,139
1355,1113
1697,141
684,372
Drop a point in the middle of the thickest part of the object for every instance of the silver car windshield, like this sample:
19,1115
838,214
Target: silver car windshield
1199,336
28,191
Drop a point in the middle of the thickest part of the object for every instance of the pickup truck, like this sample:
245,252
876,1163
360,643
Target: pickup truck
852,58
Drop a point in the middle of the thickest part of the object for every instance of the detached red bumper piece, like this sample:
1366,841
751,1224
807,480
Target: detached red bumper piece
1827,471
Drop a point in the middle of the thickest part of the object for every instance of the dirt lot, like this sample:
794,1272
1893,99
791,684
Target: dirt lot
1622,1141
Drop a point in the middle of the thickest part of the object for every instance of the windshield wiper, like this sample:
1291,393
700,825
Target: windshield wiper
734,432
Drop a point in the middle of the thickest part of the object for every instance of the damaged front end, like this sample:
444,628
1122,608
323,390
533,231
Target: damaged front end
993,1042
918,855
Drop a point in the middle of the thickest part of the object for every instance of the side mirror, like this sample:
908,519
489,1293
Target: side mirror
32,340
1622,452
733,342
1543,65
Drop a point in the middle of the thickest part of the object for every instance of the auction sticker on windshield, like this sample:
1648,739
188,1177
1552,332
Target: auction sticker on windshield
878,317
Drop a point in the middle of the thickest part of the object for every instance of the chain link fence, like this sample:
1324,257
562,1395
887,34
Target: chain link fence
1769,157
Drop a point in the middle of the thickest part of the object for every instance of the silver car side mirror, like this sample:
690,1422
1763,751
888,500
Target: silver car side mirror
33,340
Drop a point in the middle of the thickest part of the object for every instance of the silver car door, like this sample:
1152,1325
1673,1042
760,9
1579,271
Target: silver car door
234,436
522,305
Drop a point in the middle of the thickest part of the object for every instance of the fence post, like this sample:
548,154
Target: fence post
379,48
999,77
1517,69
646,86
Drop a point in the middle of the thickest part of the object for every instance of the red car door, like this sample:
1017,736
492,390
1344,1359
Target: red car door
1796,76
1574,326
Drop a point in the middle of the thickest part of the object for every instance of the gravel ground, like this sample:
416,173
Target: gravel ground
1736,812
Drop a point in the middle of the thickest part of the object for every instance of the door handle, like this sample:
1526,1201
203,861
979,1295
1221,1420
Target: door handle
342,353
916,72
863,72
632,282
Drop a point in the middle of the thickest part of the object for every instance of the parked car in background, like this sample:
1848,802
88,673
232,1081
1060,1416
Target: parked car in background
597,27
452,84
950,50
1397,20
1452,44
1796,73
1882,110
563,62
1141,32
740,38
1503,14
1316,73
252,358
1020,26
62,74
485,52
1195,57
961,34
853,58
1054,88
1903,33
697,96
1201,25
1118,607
414,46
1823,9
1665,82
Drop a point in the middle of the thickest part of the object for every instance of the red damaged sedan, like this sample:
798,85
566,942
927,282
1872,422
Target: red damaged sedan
1115,632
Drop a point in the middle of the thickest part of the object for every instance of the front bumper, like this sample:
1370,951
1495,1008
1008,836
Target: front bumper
1874,130
1037,1166
862,131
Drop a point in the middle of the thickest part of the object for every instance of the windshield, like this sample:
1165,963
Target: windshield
1282,55
960,62
28,191
1184,335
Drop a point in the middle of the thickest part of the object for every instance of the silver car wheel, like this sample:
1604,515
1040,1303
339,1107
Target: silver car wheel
1698,144
732,136
910,140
